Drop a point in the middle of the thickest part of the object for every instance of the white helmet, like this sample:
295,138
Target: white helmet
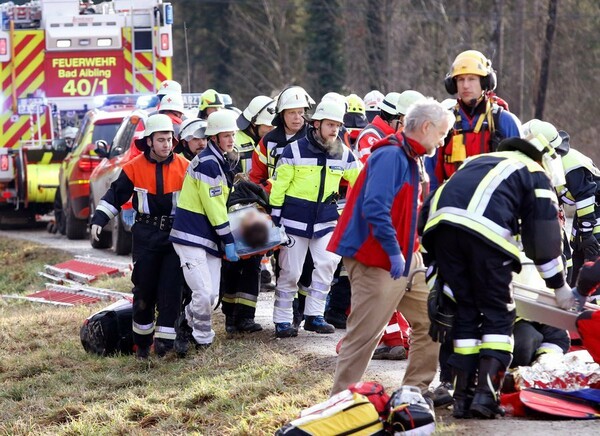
169,87
449,103
221,121
70,132
154,123
172,102
372,100
192,128
294,97
329,110
407,99
541,129
335,97
260,111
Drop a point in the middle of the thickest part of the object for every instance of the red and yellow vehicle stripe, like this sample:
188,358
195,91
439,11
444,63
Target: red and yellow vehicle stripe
144,82
19,78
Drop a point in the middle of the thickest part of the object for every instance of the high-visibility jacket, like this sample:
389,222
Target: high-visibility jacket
374,131
496,197
582,183
267,153
380,215
155,187
306,184
245,145
201,217
476,131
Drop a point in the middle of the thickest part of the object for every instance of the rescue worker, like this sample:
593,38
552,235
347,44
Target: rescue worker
210,101
473,221
154,179
304,200
355,119
290,126
254,123
377,238
480,123
240,281
192,138
372,100
533,339
389,121
201,232
172,106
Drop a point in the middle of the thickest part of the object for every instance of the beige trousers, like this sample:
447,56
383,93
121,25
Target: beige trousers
375,296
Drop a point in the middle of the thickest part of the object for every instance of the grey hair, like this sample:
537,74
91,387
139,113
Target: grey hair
426,110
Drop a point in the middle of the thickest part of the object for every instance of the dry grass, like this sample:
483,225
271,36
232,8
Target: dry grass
242,385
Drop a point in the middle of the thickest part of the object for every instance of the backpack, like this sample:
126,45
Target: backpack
109,331
345,413
410,413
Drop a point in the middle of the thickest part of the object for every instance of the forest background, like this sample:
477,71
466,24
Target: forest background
546,52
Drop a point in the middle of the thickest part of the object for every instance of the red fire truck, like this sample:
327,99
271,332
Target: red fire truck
56,56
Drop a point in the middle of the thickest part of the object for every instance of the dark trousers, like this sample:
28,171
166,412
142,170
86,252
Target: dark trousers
240,285
479,275
339,296
529,336
157,280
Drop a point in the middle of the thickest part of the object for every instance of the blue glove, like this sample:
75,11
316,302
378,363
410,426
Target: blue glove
580,300
397,266
230,253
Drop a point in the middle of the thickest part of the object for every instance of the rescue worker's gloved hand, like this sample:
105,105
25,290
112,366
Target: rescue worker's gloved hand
96,230
397,262
589,245
564,297
230,253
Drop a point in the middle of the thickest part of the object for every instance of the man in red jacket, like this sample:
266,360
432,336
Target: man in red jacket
377,237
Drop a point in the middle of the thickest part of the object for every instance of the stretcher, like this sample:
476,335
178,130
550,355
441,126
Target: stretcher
277,235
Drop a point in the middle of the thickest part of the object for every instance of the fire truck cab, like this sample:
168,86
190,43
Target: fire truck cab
56,56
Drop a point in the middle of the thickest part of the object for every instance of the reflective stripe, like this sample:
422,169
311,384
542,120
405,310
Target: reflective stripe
322,226
211,181
276,211
298,159
302,290
317,294
223,230
284,304
143,329
164,332
393,328
143,206
365,151
246,296
320,286
545,193
293,224
174,199
497,342
486,227
194,238
466,346
448,292
586,210
285,161
551,268
107,208
548,347
488,186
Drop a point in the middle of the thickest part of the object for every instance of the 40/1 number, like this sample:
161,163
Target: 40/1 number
84,87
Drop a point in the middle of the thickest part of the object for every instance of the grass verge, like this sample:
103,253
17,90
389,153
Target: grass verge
242,385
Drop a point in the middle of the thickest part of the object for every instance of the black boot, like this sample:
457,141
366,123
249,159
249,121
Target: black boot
183,335
230,326
464,389
486,402
247,325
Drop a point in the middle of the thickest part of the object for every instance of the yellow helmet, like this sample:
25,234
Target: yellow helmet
471,62
356,105
210,98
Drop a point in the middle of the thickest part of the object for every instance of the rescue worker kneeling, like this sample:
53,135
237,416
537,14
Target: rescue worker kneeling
473,220
201,232
155,179
303,200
